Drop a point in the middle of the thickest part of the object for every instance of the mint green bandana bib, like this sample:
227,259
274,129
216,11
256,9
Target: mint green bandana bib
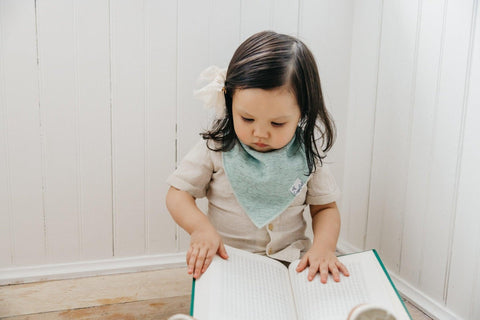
265,183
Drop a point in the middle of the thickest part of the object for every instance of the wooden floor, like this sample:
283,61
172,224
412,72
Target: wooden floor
143,295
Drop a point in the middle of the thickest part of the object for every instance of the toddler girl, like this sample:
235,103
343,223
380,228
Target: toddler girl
259,164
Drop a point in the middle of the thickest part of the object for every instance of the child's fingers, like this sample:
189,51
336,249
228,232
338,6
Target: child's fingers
206,263
343,269
324,272
202,254
191,259
189,254
208,260
312,271
334,271
302,264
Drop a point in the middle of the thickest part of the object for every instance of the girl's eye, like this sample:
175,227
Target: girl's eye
247,119
277,124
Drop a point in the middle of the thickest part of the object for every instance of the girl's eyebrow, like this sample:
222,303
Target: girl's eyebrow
275,119
239,109
285,117
245,113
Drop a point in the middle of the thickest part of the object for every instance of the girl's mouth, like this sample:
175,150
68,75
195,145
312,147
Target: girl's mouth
260,145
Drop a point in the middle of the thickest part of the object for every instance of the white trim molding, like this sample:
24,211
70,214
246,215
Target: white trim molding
17,275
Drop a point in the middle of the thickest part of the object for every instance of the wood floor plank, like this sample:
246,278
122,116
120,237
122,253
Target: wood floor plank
155,309
416,313
59,295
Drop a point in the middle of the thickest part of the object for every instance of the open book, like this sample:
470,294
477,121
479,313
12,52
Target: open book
250,286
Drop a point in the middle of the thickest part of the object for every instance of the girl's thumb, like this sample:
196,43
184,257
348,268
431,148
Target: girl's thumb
302,264
222,252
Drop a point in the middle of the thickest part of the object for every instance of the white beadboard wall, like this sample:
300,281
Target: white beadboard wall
411,179
96,108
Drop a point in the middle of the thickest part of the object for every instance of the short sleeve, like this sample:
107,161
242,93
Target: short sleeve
321,187
194,172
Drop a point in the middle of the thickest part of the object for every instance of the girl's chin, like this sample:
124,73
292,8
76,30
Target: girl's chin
261,148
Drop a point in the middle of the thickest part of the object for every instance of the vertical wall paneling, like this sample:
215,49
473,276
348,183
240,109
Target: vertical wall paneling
313,27
326,28
423,192
75,117
223,31
58,64
418,213
21,134
392,125
6,218
92,111
160,94
446,145
464,278
256,16
193,57
22,238
280,16
285,16
128,125
361,115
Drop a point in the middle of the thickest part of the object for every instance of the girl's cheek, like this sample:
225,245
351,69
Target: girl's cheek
244,138
241,134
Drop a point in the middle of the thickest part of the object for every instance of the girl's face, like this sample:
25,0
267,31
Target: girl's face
265,120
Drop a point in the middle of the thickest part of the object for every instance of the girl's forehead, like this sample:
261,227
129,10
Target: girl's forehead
287,88
278,101
268,94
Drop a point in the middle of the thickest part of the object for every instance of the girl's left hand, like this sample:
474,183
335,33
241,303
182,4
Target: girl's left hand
323,263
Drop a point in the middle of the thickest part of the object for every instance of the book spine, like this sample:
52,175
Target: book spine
391,282
192,297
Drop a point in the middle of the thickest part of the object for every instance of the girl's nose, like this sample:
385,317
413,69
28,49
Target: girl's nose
260,132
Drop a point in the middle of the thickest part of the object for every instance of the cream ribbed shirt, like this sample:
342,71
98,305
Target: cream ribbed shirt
201,174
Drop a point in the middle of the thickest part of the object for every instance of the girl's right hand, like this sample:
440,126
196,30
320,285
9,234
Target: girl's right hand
204,244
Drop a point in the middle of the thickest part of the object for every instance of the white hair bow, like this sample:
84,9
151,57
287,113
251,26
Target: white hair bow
212,94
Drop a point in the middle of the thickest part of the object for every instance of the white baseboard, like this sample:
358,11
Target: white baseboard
428,305
27,274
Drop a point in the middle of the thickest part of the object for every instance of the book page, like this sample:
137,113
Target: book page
246,286
367,283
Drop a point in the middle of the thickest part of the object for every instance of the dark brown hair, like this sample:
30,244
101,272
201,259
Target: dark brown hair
268,60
